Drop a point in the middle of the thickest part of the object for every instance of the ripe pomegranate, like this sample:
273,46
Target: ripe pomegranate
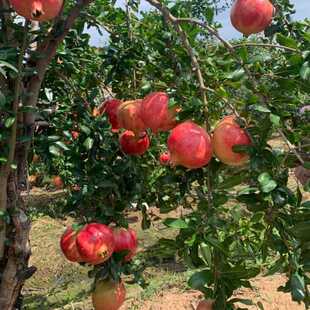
155,112
205,305
108,295
164,158
189,146
126,239
40,10
111,108
128,115
134,145
57,182
226,135
75,134
68,245
95,243
251,16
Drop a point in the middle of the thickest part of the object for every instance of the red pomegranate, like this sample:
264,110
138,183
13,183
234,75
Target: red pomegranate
154,111
164,158
251,16
40,10
128,115
95,243
189,146
126,239
226,135
108,295
111,108
75,134
68,245
57,182
132,144
205,305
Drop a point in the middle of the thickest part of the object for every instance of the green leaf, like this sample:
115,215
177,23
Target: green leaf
305,71
49,94
236,75
53,138
275,119
298,287
53,149
9,122
259,108
85,129
88,143
62,145
204,253
175,223
199,279
2,99
286,41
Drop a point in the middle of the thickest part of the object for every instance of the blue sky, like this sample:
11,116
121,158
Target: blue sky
302,8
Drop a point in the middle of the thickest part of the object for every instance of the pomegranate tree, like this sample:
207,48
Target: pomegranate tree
95,243
68,245
189,146
129,116
40,10
132,144
251,16
126,239
108,295
226,135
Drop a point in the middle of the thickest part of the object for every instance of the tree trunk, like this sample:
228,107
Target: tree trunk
14,268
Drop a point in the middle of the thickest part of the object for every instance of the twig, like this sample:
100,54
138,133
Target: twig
294,50
195,64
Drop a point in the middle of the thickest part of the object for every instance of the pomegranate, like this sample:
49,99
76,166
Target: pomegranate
164,158
134,145
57,182
251,16
126,239
111,108
68,245
128,115
75,134
40,10
95,243
226,135
108,295
205,305
189,146
155,112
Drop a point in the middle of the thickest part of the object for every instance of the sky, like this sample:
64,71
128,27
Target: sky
302,8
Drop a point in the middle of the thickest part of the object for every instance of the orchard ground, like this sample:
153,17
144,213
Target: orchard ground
59,284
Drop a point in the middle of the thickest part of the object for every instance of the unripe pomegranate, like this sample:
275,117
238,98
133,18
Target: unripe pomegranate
189,146
128,115
132,144
111,108
251,16
95,243
164,158
108,295
155,112
126,239
226,135
40,10
68,245
205,305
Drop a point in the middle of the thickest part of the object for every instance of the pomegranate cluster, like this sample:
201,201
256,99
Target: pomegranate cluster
189,145
94,244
